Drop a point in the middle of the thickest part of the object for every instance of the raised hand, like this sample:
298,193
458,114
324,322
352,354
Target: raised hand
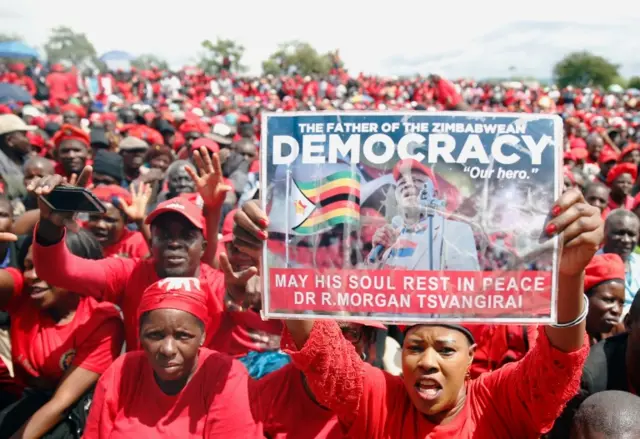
209,184
140,196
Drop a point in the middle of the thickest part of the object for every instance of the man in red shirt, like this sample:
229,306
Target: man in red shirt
447,94
58,84
178,249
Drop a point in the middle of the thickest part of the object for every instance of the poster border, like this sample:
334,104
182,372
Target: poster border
558,132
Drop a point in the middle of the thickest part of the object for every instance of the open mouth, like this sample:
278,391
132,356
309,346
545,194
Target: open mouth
428,389
37,292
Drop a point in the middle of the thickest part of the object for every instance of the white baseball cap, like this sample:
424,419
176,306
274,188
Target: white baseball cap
10,123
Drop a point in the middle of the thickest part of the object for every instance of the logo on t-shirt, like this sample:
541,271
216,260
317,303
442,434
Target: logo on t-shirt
180,283
67,358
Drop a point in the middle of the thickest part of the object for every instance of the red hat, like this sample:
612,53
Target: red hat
603,268
627,149
189,127
409,165
370,323
178,205
181,293
77,109
107,193
608,156
227,226
212,146
622,168
35,139
70,132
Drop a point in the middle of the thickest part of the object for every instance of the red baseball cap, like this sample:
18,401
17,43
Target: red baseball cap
408,165
179,205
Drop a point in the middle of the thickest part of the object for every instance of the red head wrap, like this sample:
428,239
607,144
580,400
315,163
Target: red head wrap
181,293
602,268
622,168
107,193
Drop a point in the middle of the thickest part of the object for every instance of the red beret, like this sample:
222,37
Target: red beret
602,268
212,146
622,168
107,193
190,127
580,153
569,155
70,132
577,143
627,149
407,165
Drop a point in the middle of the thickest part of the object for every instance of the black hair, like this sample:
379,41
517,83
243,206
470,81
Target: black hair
80,243
613,413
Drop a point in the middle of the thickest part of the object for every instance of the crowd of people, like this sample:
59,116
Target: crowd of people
144,320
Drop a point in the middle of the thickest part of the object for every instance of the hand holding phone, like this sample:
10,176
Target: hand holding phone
73,199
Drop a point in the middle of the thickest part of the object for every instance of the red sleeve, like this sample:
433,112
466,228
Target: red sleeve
104,279
530,394
102,413
335,373
18,284
103,346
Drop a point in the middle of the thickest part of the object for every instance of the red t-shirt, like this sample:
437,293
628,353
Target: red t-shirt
281,403
43,350
447,91
121,281
131,245
214,404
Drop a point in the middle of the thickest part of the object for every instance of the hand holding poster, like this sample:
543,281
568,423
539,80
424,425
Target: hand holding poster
410,216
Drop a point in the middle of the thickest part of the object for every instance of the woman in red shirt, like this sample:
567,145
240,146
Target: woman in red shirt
178,249
287,408
433,399
61,343
174,387
110,228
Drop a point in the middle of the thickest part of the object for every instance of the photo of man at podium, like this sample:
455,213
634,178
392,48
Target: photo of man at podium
420,237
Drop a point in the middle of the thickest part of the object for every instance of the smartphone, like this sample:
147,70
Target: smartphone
73,199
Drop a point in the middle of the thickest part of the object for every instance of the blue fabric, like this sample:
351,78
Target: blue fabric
260,364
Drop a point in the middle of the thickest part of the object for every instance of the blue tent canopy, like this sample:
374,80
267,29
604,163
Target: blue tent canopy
16,49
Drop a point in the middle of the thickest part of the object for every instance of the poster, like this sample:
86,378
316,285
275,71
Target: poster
410,216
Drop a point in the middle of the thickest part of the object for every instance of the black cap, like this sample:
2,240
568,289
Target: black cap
99,138
108,163
165,127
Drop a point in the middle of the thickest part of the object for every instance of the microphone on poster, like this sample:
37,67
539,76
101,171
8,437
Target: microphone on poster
397,224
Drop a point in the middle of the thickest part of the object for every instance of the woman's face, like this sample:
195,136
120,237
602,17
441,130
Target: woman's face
107,227
171,340
40,292
180,182
161,162
435,361
605,307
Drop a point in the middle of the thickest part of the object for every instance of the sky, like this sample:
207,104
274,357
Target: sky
391,38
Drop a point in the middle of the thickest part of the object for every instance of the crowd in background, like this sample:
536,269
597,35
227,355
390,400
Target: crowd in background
147,313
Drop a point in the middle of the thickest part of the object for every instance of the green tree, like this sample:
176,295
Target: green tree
583,69
634,82
66,45
10,37
149,60
211,60
299,57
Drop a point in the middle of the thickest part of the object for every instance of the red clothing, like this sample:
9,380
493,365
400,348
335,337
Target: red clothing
58,85
121,281
214,404
520,400
612,205
43,350
131,245
234,337
447,94
280,401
